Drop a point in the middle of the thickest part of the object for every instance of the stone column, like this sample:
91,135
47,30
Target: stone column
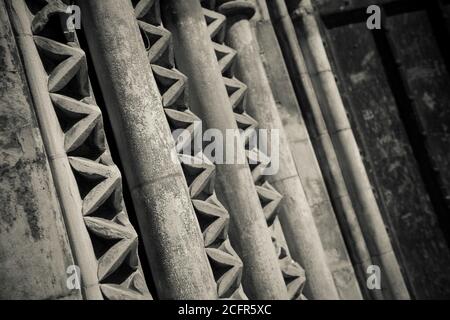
170,231
88,183
305,157
248,230
199,172
32,231
53,138
295,214
326,154
346,147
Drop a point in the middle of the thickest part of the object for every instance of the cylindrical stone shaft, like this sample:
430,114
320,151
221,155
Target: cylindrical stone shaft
34,248
305,157
248,230
53,138
294,212
170,231
326,153
347,149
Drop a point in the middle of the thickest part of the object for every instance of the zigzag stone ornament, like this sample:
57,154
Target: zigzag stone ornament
137,97
303,240
34,246
270,199
324,188
212,216
337,126
87,181
209,98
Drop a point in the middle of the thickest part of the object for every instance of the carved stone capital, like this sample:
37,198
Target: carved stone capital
236,9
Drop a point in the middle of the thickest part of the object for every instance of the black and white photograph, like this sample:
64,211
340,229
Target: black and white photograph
236,151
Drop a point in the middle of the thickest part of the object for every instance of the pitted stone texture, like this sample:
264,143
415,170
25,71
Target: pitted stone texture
34,250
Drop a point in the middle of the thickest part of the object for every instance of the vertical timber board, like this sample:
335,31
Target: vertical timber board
334,6
34,249
429,83
390,163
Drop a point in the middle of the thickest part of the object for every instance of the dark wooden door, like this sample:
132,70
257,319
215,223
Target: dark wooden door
395,83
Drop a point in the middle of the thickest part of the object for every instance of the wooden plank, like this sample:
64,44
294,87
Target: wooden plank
333,6
359,7
428,80
342,12
388,156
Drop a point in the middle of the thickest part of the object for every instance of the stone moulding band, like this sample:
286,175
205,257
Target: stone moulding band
270,198
87,181
213,218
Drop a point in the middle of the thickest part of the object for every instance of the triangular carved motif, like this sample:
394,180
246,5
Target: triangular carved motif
159,44
226,58
258,163
294,276
81,122
111,179
198,170
247,124
148,11
115,255
189,123
199,173
216,24
42,17
213,219
227,268
67,63
171,84
237,92
133,288
88,117
270,199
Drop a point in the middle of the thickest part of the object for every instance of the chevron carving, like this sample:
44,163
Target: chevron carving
199,172
293,273
98,180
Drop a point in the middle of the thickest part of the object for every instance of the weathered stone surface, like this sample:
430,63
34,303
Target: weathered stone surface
195,55
293,273
349,158
171,233
200,175
34,249
398,177
304,155
320,137
294,212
